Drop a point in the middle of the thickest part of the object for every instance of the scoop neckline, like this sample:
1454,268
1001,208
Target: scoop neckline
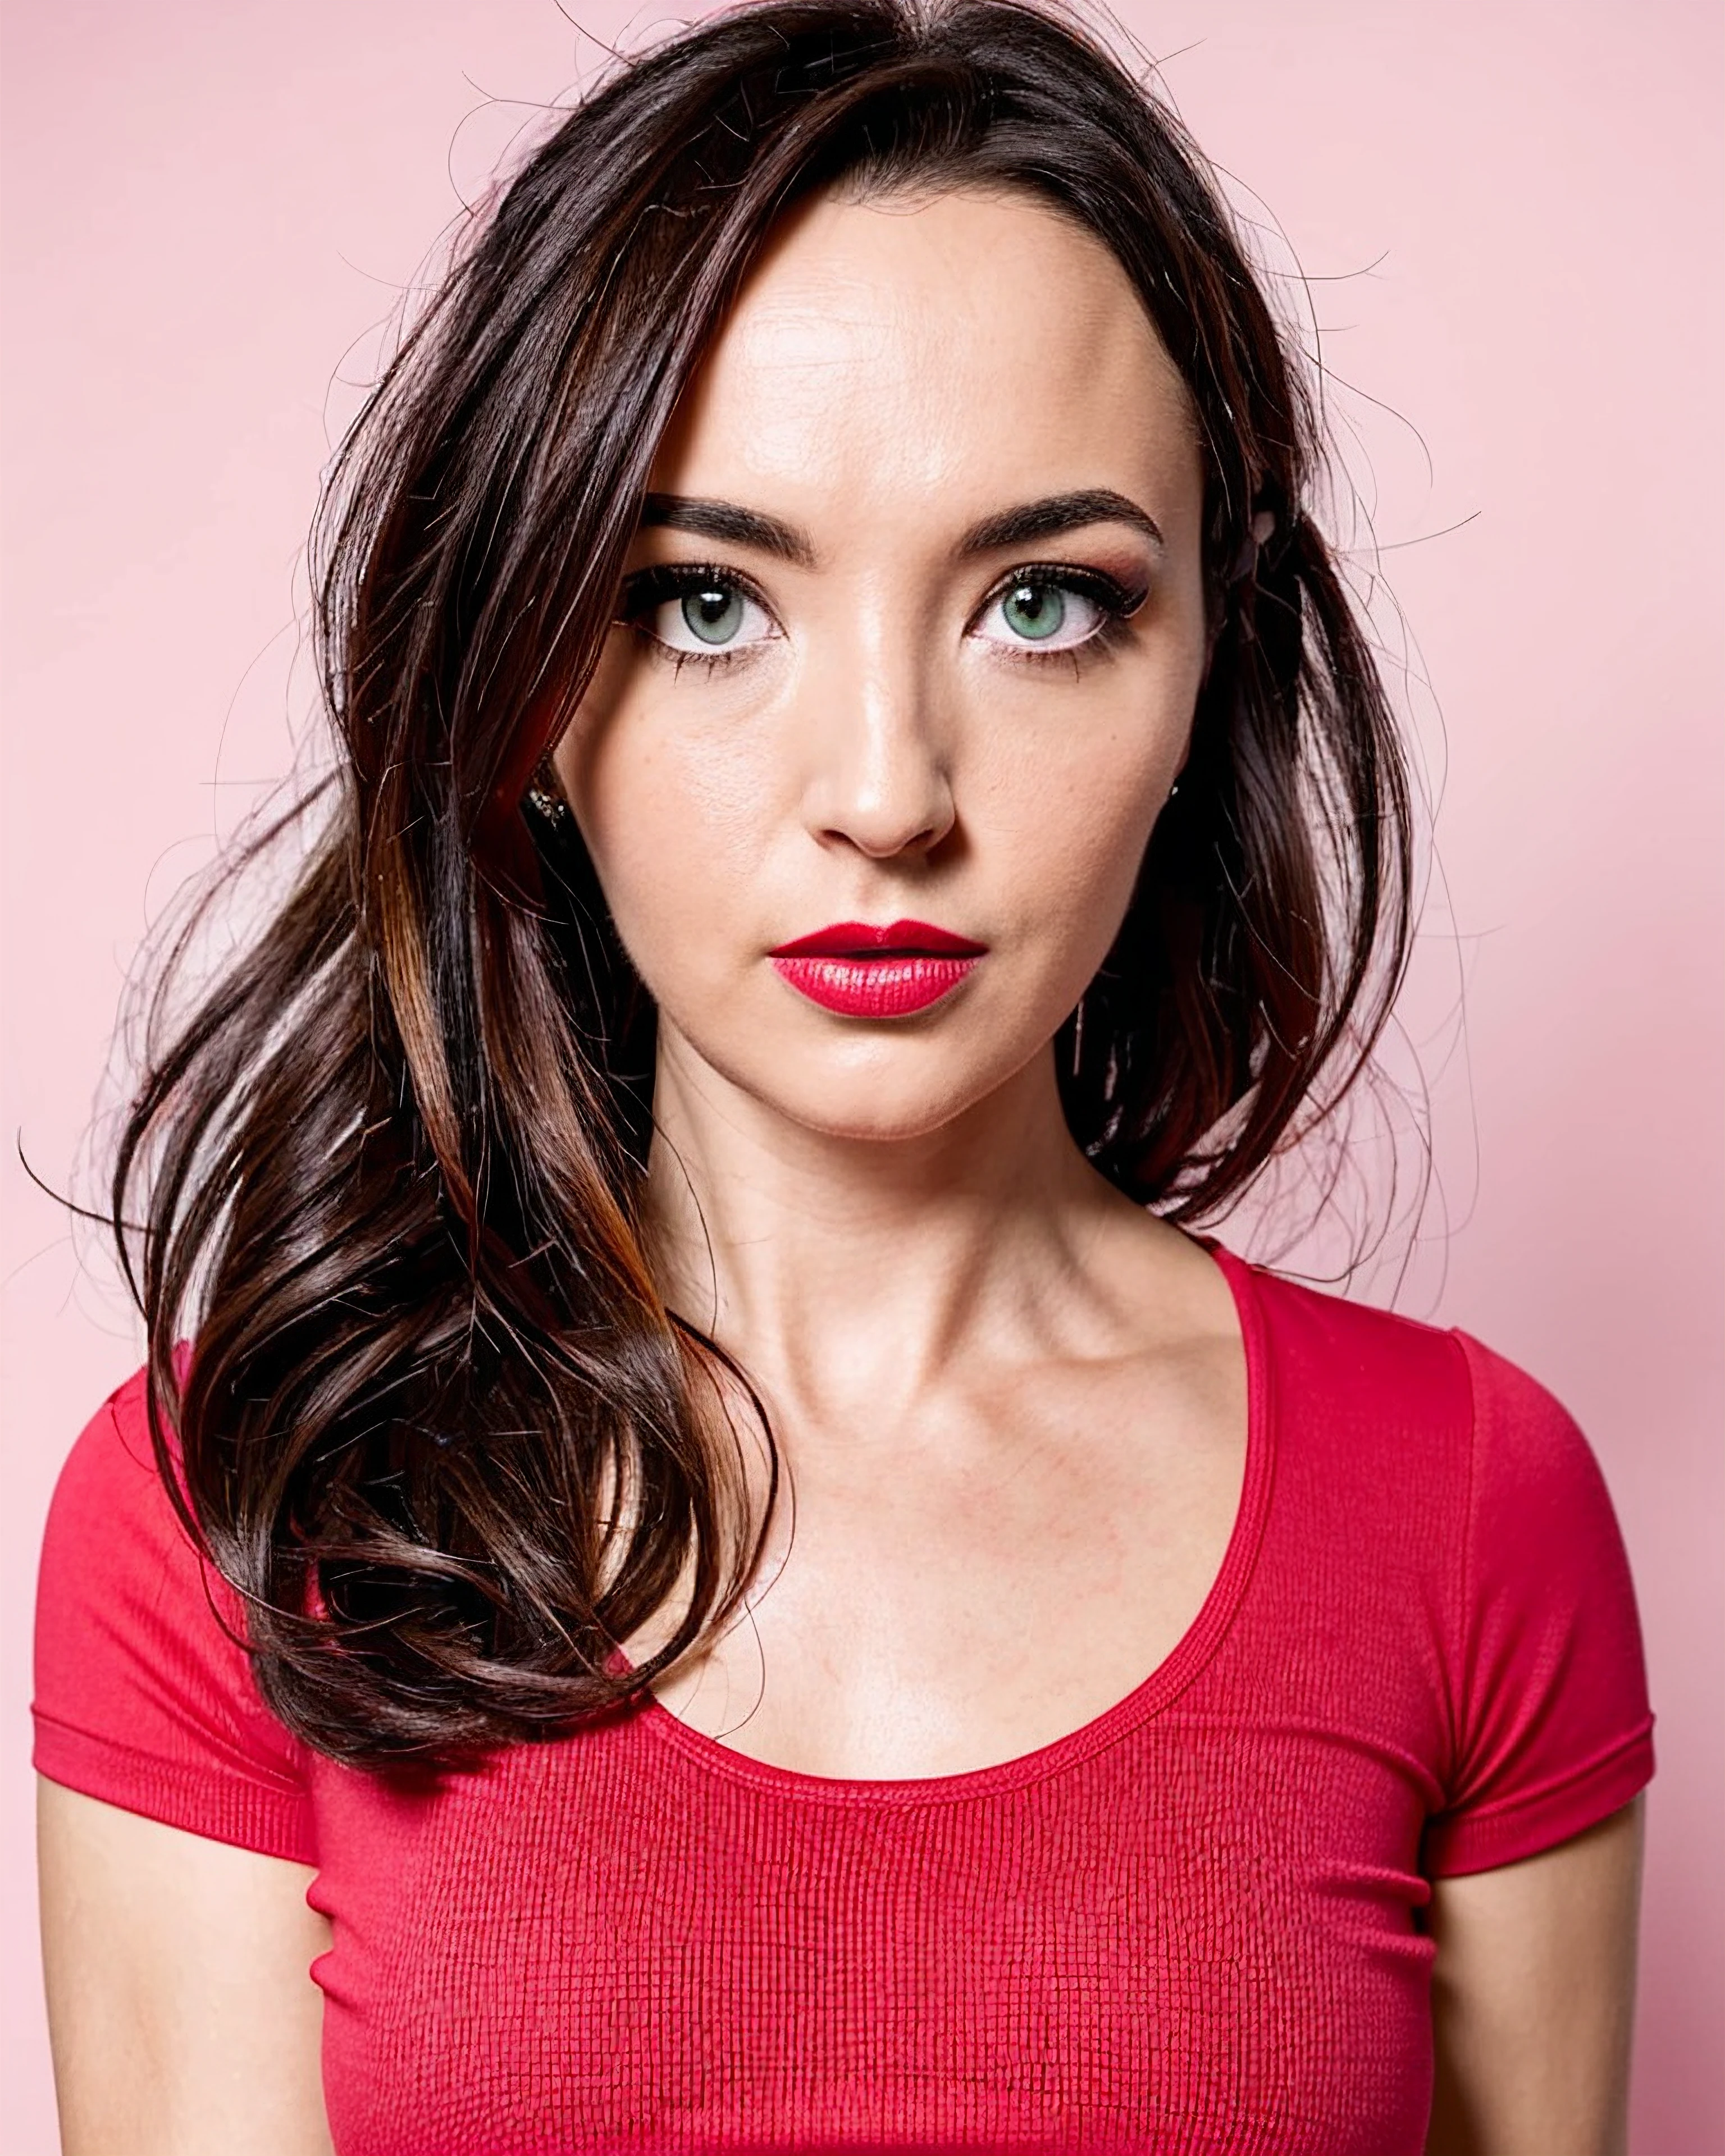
1176,1670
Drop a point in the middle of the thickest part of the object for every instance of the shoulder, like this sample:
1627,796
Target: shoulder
1490,1534
1347,1365
1428,1412
145,1695
114,1527
110,1481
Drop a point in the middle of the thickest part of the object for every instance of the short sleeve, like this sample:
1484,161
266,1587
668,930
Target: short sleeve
1555,1731
145,1694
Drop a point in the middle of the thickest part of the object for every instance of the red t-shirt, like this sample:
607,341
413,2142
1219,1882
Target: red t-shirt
1192,1924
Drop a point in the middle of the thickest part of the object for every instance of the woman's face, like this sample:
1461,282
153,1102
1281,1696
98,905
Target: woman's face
912,633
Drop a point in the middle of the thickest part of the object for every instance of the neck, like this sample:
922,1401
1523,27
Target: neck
851,1271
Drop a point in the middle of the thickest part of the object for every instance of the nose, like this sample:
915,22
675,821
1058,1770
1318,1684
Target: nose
879,775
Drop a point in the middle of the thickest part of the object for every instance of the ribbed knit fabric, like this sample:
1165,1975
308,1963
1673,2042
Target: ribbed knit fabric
1191,1925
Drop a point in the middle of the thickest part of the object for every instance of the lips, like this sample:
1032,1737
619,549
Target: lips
863,939
863,970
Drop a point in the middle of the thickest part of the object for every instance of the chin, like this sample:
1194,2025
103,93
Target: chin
884,1085
879,1104
869,1126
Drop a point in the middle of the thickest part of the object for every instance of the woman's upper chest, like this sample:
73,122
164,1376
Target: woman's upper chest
1192,1922
945,1597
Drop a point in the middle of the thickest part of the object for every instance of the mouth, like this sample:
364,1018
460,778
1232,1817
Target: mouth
859,970
862,940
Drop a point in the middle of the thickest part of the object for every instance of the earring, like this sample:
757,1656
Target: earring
546,796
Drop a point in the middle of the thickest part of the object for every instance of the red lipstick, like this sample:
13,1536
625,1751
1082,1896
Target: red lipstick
863,970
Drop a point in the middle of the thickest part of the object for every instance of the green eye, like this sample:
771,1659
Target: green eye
1034,611
714,615
1043,607
697,611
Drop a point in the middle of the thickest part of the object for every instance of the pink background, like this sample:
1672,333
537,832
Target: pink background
1510,216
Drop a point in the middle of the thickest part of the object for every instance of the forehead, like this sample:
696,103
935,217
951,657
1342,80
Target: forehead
952,350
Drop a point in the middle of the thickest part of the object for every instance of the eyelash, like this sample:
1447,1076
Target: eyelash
648,589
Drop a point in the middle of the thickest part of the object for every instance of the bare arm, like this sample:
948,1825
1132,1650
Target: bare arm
183,2021
1533,1998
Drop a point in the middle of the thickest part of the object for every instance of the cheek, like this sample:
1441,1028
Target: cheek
670,816
1075,827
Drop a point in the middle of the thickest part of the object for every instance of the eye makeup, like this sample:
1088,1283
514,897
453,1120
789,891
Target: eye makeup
1114,603
669,582
708,586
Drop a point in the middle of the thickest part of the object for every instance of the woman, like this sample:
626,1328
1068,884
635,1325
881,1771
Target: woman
864,813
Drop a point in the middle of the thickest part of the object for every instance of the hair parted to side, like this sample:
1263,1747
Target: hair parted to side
438,1425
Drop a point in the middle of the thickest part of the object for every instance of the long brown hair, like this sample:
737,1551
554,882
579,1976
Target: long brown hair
438,1426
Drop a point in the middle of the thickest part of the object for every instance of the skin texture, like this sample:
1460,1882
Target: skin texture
1534,1996
183,2018
1010,1403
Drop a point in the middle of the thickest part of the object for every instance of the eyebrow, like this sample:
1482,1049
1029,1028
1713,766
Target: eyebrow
1031,521
1056,513
728,520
